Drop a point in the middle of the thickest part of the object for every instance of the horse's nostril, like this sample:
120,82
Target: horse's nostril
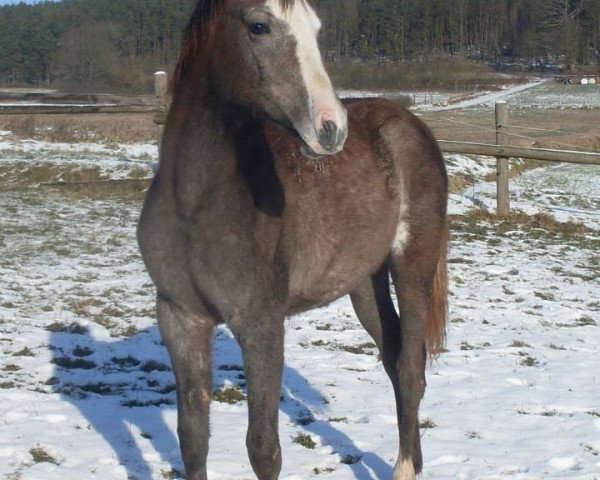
328,137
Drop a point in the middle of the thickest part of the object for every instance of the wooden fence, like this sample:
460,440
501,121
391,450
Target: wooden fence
503,152
74,103
34,103
70,104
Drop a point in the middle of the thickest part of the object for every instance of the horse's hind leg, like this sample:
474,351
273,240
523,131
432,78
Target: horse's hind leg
403,354
407,364
188,340
371,300
261,340
419,275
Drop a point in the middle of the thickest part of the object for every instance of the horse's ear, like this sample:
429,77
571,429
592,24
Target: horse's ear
194,35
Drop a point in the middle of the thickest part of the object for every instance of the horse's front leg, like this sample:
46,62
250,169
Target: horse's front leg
262,346
188,340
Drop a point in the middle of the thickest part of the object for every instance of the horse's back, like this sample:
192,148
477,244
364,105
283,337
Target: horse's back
387,120
408,149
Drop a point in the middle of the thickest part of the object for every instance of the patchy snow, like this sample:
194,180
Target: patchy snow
567,192
421,99
540,95
144,151
553,94
85,385
486,98
59,162
537,94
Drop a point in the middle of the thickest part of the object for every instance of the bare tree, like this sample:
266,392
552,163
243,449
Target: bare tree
563,26
86,55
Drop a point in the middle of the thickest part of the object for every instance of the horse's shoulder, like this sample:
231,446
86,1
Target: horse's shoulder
385,118
396,135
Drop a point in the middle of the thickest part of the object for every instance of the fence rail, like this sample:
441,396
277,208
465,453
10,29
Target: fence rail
542,154
25,109
503,152
6,96
28,103
72,104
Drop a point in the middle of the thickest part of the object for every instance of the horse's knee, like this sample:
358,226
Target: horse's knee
264,452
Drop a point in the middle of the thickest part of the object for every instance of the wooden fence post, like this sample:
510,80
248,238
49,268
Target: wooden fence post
161,88
502,164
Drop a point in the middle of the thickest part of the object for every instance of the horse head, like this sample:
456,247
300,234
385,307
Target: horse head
263,55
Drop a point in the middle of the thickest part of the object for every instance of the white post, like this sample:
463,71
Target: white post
161,88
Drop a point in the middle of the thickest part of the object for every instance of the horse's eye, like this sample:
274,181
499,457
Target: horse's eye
259,29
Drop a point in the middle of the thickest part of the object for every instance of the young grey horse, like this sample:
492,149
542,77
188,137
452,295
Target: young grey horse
273,197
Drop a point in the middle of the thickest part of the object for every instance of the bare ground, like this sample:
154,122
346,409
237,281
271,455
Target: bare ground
567,129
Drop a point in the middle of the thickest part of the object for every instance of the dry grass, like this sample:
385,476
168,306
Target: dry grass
40,455
108,128
575,129
541,221
457,183
305,440
229,395
438,72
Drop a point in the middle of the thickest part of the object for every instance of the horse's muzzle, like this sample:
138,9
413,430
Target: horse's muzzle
331,137
330,141
328,137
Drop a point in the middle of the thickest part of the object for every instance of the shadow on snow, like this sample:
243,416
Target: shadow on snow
124,387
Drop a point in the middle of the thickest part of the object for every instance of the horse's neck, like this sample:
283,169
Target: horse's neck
198,155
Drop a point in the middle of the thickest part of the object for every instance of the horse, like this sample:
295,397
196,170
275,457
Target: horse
272,197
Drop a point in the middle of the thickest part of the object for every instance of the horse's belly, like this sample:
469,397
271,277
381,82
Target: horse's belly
319,279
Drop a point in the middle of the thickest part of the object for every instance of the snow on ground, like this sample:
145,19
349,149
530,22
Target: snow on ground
540,94
568,192
86,389
488,98
80,151
554,94
421,100
440,101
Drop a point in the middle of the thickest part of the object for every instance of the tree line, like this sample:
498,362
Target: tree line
117,43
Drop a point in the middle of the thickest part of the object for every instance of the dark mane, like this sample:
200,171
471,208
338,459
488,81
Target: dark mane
195,34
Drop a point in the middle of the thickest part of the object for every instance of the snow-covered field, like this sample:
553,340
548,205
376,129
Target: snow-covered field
441,101
539,94
86,391
421,100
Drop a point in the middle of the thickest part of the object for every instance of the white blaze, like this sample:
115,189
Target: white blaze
324,105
